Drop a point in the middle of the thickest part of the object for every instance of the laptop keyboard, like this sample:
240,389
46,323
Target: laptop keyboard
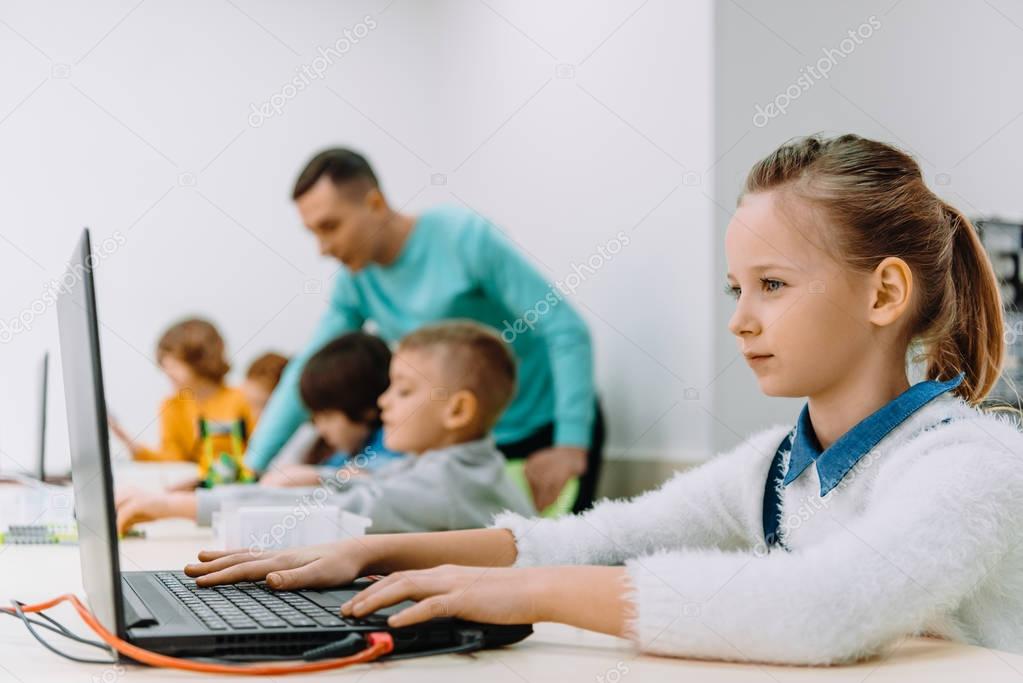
253,605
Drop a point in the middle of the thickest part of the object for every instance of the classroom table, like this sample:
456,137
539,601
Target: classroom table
553,653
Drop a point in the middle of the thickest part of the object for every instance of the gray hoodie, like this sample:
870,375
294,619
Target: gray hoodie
458,487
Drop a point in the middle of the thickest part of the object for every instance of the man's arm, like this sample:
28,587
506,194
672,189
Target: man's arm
284,412
508,277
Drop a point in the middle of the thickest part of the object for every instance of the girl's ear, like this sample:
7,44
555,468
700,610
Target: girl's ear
461,410
891,291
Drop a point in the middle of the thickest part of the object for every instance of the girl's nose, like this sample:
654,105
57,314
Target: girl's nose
743,322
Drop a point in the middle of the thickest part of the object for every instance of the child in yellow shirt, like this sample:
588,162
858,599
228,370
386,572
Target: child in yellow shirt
191,354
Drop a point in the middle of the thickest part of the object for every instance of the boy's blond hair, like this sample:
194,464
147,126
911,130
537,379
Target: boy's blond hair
474,358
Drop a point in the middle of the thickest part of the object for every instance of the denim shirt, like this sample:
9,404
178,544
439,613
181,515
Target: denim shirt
840,457
374,455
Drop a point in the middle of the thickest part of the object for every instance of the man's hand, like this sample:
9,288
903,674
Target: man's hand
137,507
549,469
316,566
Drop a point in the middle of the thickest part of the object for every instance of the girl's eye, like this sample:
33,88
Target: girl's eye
769,285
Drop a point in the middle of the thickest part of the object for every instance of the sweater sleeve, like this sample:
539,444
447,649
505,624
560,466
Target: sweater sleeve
714,505
175,433
924,546
506,276
284,412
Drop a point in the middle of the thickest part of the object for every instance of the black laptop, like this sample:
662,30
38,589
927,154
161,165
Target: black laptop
38,470
164,611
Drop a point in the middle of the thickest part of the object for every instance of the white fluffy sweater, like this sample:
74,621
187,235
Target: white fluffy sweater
923,535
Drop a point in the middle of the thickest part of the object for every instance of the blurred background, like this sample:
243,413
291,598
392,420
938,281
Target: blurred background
174,130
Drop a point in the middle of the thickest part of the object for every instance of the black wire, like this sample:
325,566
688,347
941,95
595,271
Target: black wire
56,627
29,625
472,641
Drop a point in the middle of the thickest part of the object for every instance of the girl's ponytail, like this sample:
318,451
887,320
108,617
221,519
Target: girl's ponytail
973,341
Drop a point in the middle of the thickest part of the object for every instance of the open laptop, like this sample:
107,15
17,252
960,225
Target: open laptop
44,377
37,470
164,611
44,388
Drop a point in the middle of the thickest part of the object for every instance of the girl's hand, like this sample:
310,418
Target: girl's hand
134,507
317,566
493,595
122,435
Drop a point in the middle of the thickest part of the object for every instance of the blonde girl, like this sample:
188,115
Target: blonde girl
887,510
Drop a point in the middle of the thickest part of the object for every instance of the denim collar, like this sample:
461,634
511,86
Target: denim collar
836,461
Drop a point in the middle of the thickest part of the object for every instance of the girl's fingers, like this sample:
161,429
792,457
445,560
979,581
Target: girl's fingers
424,610
316,574
384,584
369,590
216,561
403,587
255,570
207,555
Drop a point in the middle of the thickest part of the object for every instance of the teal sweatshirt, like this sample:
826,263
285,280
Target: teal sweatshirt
456,264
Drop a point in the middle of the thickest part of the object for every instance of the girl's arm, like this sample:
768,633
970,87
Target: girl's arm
715,505
593,598
175,431
333,564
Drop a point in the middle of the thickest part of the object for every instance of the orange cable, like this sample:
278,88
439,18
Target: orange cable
380,645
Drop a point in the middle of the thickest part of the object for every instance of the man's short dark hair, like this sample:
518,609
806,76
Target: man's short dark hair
341,165
348,374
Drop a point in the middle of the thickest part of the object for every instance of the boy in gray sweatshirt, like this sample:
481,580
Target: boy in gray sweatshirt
449,383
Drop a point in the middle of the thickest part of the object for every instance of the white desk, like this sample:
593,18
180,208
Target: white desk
554,653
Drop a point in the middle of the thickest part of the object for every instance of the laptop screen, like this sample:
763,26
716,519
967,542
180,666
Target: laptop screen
44,373
88,439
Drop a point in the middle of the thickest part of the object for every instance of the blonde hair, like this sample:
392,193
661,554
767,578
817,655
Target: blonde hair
475,357
879,205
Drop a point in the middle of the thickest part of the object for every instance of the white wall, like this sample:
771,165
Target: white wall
938,78
136,119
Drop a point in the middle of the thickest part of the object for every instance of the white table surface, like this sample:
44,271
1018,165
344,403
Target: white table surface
553,653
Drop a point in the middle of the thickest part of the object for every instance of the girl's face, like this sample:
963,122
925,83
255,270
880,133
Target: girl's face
801,318
178,371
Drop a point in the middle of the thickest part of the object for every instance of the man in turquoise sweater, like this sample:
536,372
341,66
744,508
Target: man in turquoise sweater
402,272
